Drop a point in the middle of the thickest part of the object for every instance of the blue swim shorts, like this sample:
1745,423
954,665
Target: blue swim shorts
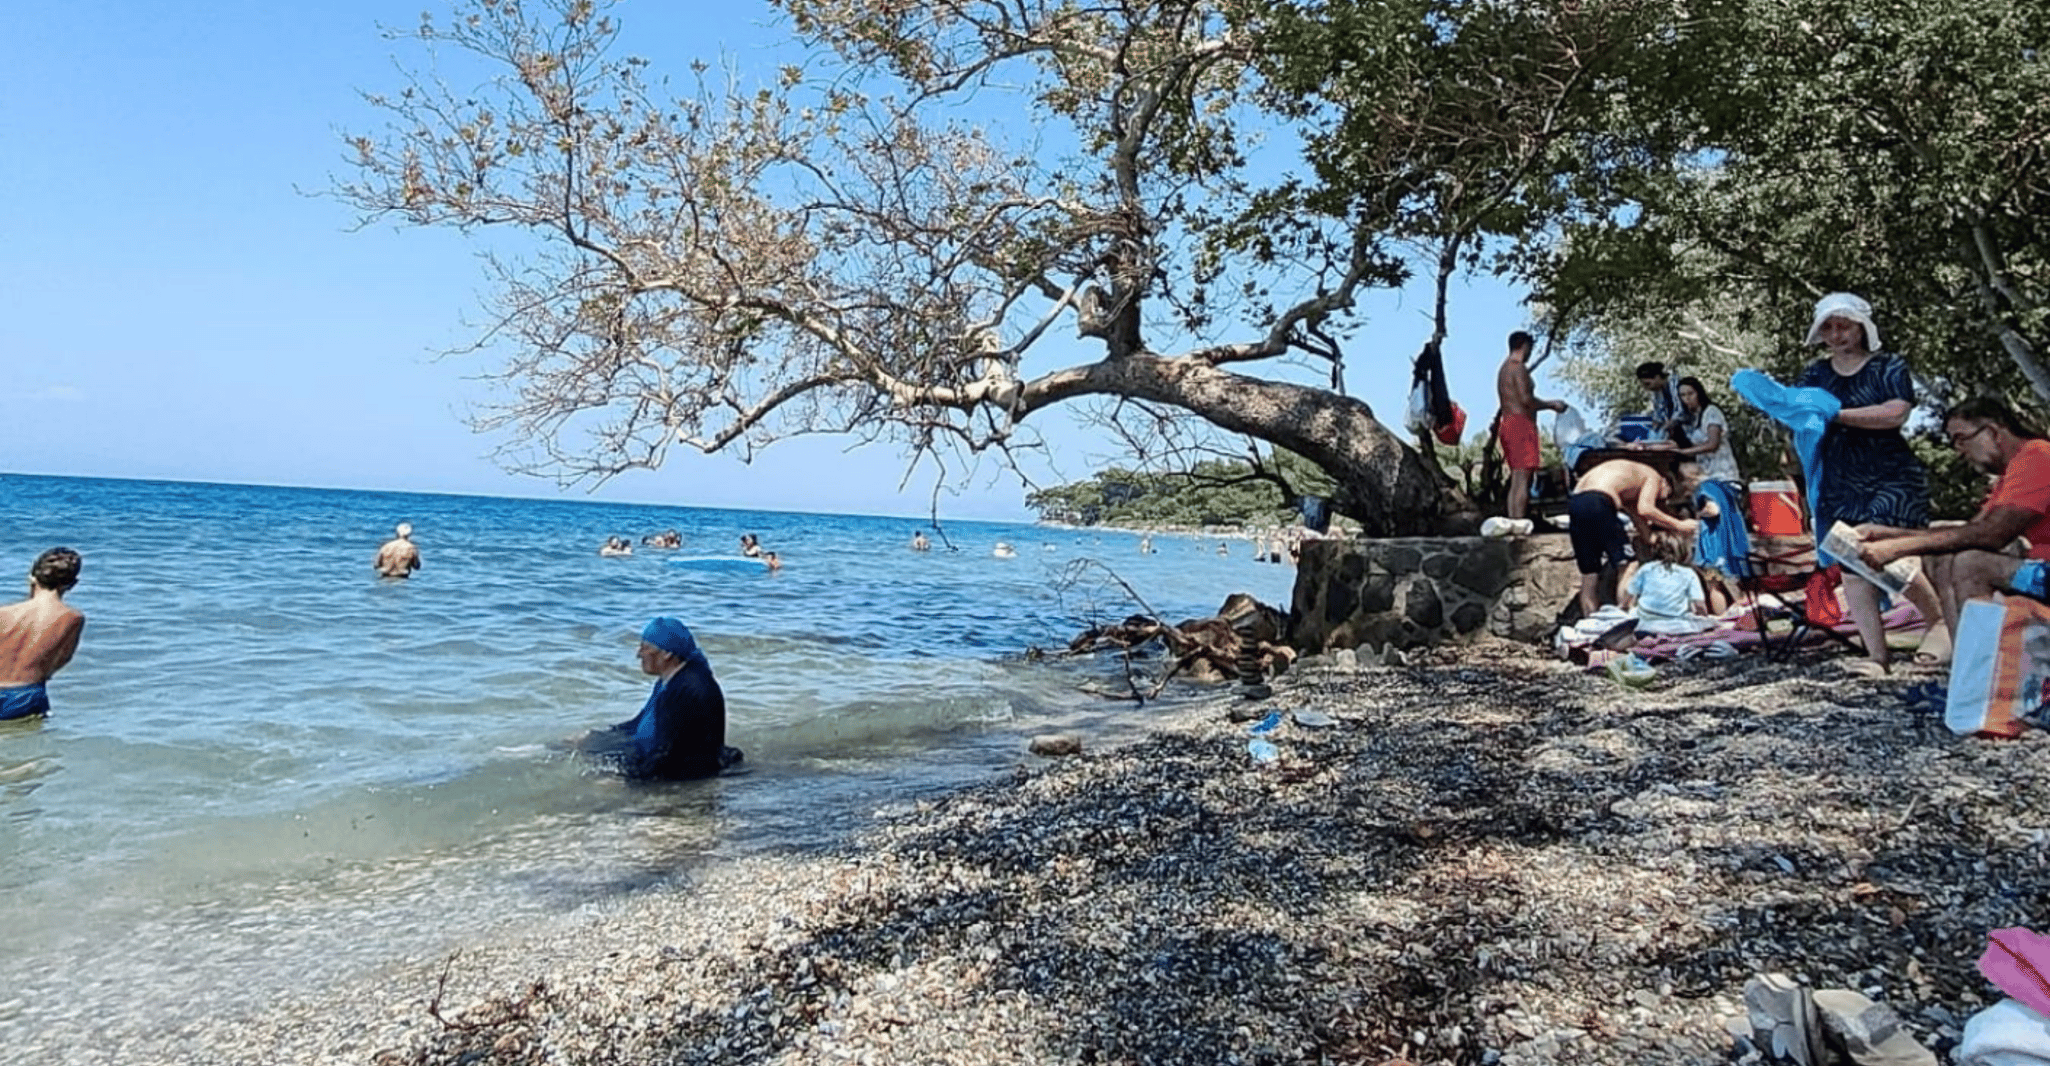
2030,578
26,701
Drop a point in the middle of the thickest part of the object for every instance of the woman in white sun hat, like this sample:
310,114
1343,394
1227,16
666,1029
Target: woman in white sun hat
1868,472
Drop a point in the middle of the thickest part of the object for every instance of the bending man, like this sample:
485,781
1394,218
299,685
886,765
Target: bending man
38,635
681,730
1601,498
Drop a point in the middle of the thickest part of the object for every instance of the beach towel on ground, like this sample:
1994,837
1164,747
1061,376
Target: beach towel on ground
2000,668
1808,412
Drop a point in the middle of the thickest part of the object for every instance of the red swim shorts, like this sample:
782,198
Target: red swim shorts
1519,439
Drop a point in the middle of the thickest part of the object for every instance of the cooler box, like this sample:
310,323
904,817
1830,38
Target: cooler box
1776,509
1633,428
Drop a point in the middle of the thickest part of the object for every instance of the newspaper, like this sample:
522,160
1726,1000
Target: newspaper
1848,548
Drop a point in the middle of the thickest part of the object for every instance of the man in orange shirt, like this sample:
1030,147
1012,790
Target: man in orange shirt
1968,561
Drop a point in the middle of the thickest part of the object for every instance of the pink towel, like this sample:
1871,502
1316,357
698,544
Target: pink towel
2018,961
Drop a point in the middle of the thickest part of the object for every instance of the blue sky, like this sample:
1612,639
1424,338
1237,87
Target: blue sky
176,303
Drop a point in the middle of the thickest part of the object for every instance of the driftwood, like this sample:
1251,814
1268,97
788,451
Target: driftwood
1203,649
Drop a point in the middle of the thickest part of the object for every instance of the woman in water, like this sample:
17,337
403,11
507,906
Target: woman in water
680,732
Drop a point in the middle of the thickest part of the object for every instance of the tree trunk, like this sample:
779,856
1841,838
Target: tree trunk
1383,484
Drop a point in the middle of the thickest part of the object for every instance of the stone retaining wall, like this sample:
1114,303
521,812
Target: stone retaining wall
1413,591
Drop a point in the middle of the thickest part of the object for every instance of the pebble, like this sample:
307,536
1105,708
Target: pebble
1168,902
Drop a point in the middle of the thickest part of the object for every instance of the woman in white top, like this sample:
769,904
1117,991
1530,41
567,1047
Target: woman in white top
1708,433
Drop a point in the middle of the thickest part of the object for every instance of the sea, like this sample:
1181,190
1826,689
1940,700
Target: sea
268,770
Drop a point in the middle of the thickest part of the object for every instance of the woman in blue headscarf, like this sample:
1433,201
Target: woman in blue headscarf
681,730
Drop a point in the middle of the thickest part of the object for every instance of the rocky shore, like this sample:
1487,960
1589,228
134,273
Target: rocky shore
1486,857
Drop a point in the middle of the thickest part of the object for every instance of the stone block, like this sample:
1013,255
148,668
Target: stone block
1487,567
1416,591
1377,595
1423,606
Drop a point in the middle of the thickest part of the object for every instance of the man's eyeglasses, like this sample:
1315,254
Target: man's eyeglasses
1957,440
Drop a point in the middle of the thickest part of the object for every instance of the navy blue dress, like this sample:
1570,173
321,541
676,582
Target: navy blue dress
681,731
1869,475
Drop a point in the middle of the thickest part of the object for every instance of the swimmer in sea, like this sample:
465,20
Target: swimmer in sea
680,732
616,546
1004,551
769,560
38,635
399,557
918,541
749,546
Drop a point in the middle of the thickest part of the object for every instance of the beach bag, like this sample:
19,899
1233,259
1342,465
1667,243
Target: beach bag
1820,604
1568,428
1418,416
2000,668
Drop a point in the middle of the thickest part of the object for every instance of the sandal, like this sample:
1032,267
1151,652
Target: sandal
1870,669
1935,647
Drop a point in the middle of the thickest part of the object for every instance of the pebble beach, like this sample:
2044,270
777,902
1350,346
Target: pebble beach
1486,857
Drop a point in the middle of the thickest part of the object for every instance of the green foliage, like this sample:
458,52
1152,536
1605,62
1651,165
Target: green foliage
1801,147
1214,492
1956,488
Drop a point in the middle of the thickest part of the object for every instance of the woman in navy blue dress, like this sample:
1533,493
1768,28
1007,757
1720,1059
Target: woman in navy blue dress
1868,472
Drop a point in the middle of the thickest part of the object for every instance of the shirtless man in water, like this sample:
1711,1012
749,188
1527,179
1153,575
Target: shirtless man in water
399,557
38,635
1619,487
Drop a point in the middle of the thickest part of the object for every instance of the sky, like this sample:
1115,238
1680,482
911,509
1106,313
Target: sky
179,301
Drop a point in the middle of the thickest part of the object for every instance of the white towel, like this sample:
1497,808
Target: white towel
2007,1033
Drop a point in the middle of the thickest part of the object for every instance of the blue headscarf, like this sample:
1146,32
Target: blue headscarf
672,636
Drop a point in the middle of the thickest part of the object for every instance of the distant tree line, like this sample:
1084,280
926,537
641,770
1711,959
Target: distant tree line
1213,492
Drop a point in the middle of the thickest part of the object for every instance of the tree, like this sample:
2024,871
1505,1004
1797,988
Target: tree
843,252
1809,146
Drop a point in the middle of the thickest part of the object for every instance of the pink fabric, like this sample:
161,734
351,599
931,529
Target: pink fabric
2019,962
1901,617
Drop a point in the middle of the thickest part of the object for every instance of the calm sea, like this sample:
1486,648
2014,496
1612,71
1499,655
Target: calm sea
267,769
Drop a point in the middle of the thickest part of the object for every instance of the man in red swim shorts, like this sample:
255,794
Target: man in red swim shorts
1518,431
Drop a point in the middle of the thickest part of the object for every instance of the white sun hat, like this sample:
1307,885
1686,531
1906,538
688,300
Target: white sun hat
1844,305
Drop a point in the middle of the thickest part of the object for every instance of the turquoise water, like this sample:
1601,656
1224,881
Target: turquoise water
267,769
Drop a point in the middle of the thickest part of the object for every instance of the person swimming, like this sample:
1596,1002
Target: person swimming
399,556
680,732
38,635
750,546
918,541
616,545
1004,551
770,561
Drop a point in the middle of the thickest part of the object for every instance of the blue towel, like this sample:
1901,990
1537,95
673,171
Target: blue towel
1722,544
1808,412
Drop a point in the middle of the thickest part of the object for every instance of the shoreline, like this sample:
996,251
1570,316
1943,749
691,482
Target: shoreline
1491,852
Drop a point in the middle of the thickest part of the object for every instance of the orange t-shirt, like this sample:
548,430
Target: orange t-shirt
2026,484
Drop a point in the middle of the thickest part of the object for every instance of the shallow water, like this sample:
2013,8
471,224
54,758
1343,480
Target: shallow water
266,768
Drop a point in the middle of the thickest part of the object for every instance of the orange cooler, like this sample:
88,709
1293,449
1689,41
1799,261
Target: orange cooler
1776,509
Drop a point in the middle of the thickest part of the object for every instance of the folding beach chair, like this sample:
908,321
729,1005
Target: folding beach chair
1817,611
